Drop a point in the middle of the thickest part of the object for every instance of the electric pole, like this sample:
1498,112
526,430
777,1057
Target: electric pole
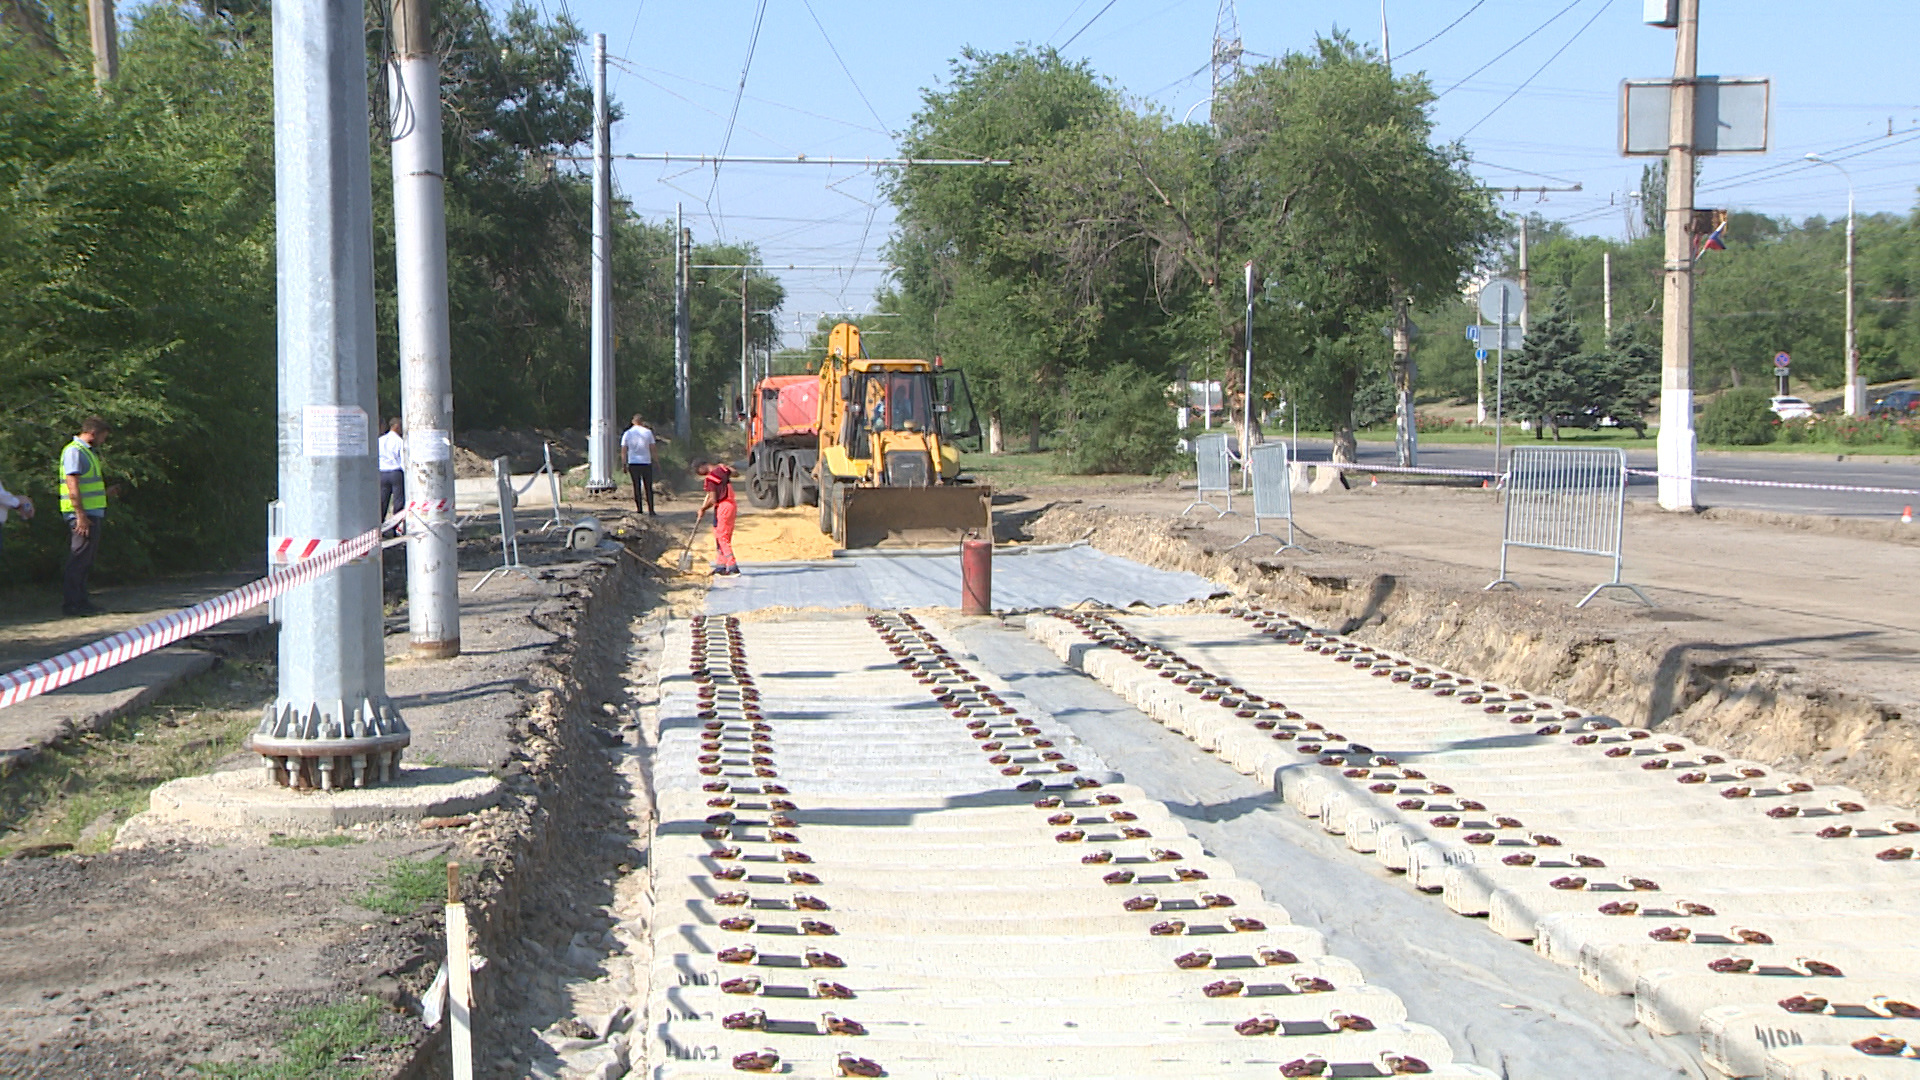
426,378
1676,440
1526,278
600,437
746,391
105,33
682,329
1606,291
1246,380
331,717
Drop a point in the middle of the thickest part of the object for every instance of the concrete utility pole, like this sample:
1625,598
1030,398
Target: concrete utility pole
746,390
1606,291
1246,382
105,32
426,378
600,429
1526,278
1406,433
1676,442
1386,43
682,330
331,717
1856,388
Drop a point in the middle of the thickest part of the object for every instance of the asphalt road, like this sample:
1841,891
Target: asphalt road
1788,468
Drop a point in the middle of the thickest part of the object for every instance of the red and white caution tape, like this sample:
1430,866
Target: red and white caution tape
48,675
1795,485
1355,466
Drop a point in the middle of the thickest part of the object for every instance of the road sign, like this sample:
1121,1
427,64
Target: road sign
1493,307
1729,116
1479,354
1782,361
1473,333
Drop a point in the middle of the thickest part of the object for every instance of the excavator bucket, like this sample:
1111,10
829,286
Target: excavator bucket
911,516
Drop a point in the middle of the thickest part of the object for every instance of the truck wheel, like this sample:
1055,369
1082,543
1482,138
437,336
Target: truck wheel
761,491
784,482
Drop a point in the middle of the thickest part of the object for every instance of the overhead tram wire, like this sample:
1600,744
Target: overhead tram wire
808,4
1531,34
726,139
638,70
1069,18
1443,30
1597,12
1796,166
1089,23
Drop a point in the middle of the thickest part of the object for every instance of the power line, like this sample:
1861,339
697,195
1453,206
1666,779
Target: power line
1503,53
726,140
1443,30
1068,19
808,4
1090,22
1599,11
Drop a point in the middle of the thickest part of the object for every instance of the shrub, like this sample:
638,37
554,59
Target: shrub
1426,423
1121,423
1739,417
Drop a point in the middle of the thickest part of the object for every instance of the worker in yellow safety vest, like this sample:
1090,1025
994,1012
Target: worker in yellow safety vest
83,502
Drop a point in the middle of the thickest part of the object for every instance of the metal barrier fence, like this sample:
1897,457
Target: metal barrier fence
509,527
1216,474
1271,476
1570,501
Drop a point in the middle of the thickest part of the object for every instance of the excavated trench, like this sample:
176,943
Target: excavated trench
1664,682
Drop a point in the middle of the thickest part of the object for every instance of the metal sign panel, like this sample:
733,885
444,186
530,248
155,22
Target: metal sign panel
1730,116
1493,306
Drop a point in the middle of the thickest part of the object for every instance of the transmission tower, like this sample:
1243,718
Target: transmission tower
1226,45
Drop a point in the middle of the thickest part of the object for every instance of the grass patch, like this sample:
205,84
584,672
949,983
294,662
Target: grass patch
406,884
330,840
79,793
318,1048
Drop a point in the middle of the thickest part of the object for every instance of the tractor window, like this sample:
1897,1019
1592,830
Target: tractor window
955,406
897,401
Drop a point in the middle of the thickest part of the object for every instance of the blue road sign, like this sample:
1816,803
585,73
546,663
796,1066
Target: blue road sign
1473,333
1479,354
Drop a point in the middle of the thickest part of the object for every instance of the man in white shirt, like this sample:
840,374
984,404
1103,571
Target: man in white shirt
9,501
393,469
638,442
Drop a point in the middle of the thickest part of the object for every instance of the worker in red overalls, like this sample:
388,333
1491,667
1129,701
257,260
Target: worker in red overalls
719,484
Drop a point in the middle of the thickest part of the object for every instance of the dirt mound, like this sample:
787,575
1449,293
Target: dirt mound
474,451
1641,671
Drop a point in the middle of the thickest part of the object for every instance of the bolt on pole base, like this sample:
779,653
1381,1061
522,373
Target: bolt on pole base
317,751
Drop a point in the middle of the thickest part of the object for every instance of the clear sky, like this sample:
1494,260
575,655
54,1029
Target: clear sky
1531,86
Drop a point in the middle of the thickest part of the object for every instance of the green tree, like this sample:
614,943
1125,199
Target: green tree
1545,379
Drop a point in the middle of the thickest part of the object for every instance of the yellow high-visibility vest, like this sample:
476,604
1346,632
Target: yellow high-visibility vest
93,485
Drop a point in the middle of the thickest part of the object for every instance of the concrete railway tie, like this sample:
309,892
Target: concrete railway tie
874,860
1718,892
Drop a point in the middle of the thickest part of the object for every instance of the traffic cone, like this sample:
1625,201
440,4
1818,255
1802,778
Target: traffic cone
1906,516
1376,482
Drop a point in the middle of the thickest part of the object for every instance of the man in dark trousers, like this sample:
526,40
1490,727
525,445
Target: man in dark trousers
392,458
638,441
83,502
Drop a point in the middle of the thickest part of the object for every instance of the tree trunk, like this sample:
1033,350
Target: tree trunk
1345,447
1033,435
996,438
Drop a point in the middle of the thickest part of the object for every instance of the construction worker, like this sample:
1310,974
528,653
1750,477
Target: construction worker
718,480
638,441
83,502
393,471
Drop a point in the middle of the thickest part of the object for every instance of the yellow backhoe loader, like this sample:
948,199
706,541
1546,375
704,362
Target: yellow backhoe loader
888,470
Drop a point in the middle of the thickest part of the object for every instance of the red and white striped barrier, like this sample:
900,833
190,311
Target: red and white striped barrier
1856,488
69,667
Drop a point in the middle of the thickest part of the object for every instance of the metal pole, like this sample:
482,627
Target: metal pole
105,33
1676,443
1386,43
600,428
1479,375
1526,276
682,411
1856,393
426,380
746,392
1606,290
1500,380
1246,383
332,661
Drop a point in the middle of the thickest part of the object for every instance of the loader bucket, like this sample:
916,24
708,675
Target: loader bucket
911,516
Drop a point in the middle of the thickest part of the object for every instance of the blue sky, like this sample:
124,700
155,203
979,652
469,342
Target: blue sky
1843,72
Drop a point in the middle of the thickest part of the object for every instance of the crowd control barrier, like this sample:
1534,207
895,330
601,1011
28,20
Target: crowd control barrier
1570,501
1272,479
1212,463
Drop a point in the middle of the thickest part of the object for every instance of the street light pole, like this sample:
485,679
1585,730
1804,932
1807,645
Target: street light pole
1856,395
1676,444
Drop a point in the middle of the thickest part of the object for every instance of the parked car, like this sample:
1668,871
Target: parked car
1895,403
1791,408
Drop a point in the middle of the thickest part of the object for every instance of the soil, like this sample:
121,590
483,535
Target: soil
1784,644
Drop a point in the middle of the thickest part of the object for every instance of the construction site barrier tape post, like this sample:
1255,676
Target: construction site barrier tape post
72,666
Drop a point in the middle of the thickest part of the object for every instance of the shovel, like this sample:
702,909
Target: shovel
686,555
